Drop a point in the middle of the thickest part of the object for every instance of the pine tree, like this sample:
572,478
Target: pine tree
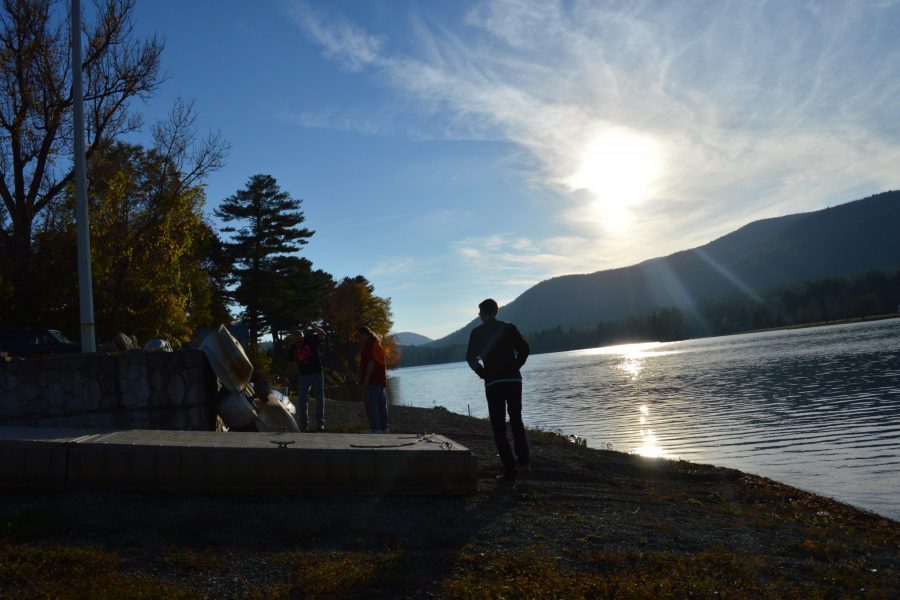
269,226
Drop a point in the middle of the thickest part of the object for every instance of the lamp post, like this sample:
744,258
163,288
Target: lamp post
85,290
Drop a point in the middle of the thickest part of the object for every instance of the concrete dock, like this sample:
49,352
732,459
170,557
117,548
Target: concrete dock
209,460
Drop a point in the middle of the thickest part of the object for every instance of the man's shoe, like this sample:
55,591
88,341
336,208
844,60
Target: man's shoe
506,477
320,428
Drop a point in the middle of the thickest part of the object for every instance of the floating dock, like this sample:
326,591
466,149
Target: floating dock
209,460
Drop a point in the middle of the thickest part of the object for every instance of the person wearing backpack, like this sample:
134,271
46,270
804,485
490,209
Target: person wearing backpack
304,351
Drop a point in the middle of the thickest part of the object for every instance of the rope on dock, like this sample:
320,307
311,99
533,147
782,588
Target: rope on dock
424,437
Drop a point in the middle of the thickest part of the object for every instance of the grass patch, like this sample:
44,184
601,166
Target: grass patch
332,575
25,526
639,575
191,560
56,571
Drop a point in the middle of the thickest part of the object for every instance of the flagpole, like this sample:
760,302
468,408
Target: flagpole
85,289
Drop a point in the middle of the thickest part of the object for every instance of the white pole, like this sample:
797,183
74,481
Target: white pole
85,290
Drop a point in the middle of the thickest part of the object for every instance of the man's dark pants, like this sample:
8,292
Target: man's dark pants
503,397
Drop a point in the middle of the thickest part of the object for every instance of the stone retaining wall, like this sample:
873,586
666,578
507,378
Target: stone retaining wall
133,390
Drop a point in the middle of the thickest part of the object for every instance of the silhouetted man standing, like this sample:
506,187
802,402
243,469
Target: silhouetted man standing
496,353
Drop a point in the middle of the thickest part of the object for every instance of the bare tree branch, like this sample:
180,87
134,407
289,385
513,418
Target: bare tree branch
36,102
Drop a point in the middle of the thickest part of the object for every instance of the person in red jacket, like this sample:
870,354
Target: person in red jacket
373,379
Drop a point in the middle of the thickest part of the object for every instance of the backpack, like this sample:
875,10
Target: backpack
303,354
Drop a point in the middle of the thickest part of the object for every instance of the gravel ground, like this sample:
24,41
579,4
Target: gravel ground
578,505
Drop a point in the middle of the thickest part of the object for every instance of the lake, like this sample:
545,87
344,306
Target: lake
817,408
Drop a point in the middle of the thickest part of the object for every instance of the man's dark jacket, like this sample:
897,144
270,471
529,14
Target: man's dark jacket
502,351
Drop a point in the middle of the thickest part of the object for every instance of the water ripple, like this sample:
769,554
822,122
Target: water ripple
816,408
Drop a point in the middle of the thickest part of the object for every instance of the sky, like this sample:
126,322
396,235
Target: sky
451,151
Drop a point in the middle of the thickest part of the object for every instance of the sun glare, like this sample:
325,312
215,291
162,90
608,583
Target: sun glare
619,167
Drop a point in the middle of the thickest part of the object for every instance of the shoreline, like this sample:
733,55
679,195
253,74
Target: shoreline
575,438
587,523
864,482
873,318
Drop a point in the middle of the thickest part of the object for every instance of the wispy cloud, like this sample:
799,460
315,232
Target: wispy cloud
754,109
394,266
339,38
444,219
506,260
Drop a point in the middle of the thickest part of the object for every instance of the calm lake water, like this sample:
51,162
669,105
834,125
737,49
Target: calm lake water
815,408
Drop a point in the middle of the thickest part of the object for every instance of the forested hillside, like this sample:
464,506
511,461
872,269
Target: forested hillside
841,241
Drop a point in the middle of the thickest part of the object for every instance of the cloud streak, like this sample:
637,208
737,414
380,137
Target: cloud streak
339,38
758,109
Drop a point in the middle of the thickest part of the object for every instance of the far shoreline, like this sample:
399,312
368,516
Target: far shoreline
811,325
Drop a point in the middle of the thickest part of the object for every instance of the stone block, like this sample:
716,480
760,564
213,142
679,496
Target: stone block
104,420
8,381
54,401
49,375
73,362
134,373
95,401
121,419
155,419
108,385
174,361
107,365
137,396
176,390
92,394
140,419
72,384
192,375
11,406
194,395
193,358
82,421
110,401
71,403
34,403
25,371
156,380
29,390
202,419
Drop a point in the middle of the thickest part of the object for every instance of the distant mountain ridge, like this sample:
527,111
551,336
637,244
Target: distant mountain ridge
837,241
408,338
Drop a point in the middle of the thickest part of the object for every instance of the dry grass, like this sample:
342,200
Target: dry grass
587,524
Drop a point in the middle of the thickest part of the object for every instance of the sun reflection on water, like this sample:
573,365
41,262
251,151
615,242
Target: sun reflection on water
632,364
632,359
623,349
649,444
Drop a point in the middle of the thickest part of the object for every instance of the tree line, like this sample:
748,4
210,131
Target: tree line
825,300
160,267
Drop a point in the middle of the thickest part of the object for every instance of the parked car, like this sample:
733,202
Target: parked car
32,342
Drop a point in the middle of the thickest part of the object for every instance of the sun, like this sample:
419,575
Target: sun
619,168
